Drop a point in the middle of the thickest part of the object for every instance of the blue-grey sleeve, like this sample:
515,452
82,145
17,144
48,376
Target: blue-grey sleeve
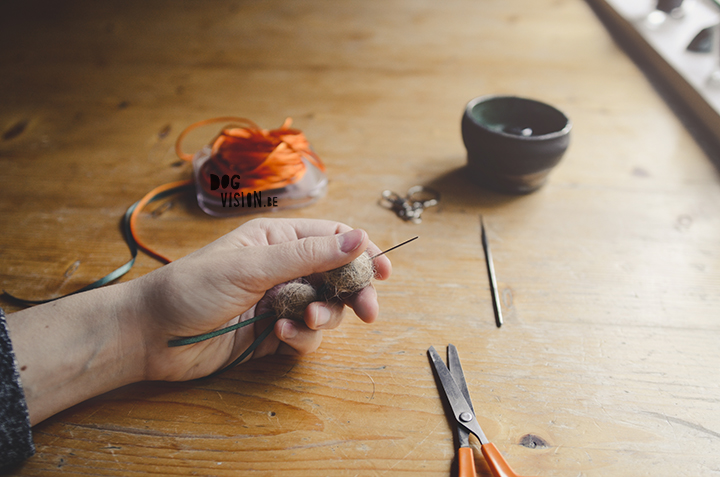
16,442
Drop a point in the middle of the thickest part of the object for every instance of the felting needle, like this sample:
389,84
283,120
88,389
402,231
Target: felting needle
491,275
393,248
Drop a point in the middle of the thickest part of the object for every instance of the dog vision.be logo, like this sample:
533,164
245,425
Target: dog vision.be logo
238,198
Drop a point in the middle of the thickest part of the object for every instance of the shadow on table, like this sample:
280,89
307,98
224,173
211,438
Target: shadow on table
458,191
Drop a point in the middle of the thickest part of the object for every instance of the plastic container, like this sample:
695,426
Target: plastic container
228,201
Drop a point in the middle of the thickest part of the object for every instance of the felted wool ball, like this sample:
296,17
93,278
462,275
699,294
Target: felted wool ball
292,299
350,278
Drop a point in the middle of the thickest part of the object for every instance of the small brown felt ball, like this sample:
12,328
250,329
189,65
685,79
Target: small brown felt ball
352,277
292,299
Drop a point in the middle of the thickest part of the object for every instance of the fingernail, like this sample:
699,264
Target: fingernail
349,241
289,331
322,316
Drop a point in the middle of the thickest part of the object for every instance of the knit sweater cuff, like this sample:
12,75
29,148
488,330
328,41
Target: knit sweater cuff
16,442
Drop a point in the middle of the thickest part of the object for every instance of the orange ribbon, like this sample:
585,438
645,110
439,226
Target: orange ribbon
256,159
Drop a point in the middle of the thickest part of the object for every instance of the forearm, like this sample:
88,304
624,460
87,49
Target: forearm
75,348
80,346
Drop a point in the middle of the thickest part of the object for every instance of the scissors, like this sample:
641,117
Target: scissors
455,388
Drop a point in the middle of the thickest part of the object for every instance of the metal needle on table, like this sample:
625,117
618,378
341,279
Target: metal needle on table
491,275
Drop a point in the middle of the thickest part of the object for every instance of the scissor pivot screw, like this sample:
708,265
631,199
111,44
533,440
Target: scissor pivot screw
465,417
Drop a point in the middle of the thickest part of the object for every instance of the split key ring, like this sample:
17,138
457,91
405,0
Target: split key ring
410,207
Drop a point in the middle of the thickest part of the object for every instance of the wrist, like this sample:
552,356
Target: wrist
130,318
75,348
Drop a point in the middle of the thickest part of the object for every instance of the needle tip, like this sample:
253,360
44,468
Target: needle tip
396,246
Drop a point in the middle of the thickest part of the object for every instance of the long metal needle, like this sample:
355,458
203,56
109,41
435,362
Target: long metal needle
393,248
491,275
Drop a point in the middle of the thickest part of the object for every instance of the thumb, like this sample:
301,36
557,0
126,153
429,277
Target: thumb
303,257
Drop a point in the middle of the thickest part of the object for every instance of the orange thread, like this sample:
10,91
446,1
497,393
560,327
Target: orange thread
257,159
143,202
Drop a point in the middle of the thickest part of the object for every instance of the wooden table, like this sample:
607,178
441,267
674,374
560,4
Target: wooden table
608,363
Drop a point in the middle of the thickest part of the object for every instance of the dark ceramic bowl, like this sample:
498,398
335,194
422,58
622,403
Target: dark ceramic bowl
512,142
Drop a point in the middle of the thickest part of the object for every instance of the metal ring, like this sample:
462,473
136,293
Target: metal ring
434,196
390,199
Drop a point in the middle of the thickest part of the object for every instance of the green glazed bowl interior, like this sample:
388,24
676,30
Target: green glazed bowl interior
519,117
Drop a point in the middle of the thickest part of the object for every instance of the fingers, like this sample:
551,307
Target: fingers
328,315
365,305
299,337
324,315
286,261
293,337
283,230
296,337
383,267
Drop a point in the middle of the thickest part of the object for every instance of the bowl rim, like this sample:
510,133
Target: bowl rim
542,137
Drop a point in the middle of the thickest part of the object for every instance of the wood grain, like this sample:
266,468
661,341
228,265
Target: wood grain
609,274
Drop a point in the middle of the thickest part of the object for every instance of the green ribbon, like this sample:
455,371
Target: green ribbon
117,273
261,337
206,336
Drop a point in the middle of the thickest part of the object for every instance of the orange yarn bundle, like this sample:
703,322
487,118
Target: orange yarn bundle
256,159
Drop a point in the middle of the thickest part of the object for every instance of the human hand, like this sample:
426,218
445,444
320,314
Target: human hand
222,283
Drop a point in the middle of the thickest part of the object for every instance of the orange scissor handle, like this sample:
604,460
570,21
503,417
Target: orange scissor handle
466,462
498,466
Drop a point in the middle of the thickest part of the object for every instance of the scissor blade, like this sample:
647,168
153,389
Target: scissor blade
453,364
462,412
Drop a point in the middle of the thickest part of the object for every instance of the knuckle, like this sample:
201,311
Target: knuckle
311,252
